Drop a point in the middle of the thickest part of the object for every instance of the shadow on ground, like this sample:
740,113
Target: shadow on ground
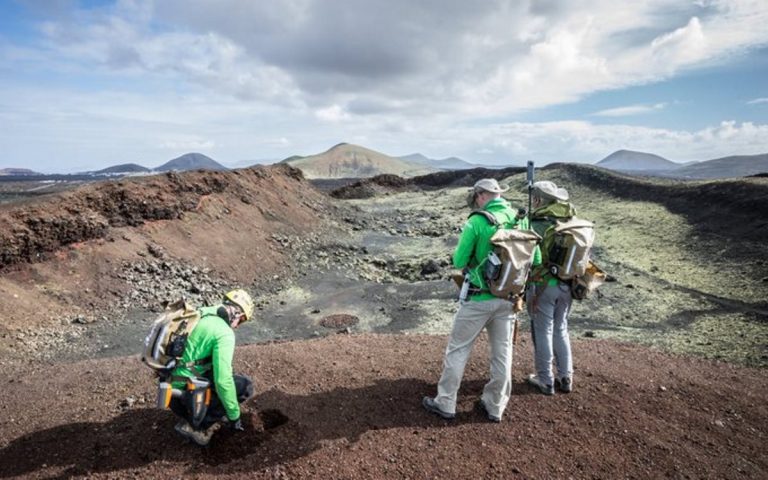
286,427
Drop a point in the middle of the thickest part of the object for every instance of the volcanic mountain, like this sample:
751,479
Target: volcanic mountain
634,161
18,172
733,166
191,161
123,168
346,160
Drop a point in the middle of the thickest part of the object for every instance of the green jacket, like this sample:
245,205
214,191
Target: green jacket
212,338
541,220
475,242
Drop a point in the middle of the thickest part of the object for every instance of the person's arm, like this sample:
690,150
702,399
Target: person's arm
466,246
223,353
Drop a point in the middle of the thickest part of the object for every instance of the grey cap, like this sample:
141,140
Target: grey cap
489,185
548,189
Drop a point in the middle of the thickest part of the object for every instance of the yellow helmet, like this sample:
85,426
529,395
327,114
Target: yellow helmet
241,298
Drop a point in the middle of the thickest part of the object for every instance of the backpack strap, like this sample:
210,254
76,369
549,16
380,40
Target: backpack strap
488,216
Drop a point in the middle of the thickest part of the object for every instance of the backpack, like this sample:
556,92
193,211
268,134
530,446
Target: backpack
566,254
165,343
566,247
506,268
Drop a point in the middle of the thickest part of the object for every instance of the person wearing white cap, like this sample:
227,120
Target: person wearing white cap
480,311
549,298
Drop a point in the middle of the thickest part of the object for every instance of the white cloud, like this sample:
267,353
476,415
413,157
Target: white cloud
187,144
450,56
757,101
333,113
577,141
630,110
247,79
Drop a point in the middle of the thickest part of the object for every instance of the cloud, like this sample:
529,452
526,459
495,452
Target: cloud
630,110
577,141
135,78
757,101
334,113
187,144
452,57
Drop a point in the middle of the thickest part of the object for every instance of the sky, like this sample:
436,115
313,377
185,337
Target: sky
89,84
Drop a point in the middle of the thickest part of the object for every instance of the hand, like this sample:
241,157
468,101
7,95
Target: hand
236,425
518,304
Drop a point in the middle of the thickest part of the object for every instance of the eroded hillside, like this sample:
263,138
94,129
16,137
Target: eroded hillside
81,254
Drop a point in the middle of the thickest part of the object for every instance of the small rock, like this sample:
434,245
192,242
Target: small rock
429,267
589,334
80,320
662,388
315,310
629,285
719,423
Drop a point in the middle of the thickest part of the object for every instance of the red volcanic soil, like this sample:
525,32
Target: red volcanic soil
348,406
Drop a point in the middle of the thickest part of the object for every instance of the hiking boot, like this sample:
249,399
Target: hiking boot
480,405
430,406
200,437
564,384
533,379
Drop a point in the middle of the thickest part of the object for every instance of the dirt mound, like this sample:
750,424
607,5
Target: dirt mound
370,187
339,320
89,251
31,232
349,407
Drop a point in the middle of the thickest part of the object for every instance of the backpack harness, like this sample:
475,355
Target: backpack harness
506,268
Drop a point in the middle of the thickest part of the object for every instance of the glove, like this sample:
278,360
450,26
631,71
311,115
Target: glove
236,425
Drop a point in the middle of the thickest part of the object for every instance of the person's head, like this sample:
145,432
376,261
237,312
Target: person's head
546,192
483,192
238,306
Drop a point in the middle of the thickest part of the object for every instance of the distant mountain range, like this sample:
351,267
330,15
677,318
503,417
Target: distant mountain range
450,163
353,161
654,165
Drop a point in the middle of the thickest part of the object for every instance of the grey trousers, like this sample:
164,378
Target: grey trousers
548,308
497,317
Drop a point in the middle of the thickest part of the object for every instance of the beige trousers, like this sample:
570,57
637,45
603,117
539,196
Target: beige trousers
497,317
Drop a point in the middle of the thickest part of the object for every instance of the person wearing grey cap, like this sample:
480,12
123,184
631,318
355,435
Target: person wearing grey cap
480,311
548,298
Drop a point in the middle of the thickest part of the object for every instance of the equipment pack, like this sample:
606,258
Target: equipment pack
164,346
566,254
566,247
506,268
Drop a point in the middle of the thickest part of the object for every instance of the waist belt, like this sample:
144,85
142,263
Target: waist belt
473,290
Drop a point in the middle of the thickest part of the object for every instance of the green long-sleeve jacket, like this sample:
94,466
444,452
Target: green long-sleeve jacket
541,220
475,242
212,338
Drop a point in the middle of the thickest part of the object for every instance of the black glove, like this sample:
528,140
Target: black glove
236,425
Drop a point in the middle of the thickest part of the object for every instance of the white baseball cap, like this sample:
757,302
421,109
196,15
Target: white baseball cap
548,189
